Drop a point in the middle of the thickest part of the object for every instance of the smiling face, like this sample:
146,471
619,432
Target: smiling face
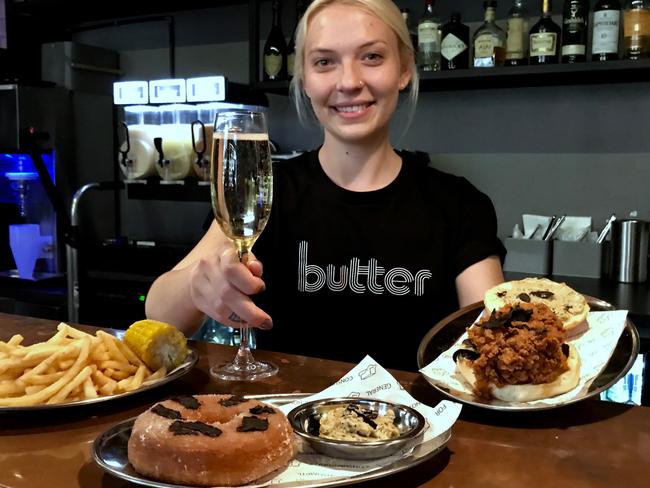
352,73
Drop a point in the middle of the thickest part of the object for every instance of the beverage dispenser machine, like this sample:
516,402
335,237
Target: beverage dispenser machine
34,136
165,131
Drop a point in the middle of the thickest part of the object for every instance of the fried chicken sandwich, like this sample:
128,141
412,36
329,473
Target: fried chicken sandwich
518,353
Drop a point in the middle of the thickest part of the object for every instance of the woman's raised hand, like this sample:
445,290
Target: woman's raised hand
221,285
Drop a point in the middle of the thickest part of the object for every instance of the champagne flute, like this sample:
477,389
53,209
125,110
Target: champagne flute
241,189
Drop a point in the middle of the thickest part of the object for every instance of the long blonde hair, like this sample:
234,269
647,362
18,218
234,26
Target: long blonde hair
384,10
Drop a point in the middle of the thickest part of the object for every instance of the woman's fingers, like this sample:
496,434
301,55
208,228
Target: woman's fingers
240,312
255,267
231,307
244,277
243,312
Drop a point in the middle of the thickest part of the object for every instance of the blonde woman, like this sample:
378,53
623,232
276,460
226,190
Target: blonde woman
366,247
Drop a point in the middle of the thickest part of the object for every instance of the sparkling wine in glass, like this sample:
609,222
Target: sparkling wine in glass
241,189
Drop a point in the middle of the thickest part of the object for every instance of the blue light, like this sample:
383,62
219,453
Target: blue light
21,175
13,164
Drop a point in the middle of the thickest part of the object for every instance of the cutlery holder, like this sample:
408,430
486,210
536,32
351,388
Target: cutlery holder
528,256
584,259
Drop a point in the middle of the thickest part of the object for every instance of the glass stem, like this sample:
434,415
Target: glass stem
244,358
243,251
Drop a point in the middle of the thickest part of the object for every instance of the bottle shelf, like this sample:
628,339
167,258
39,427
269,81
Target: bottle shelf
620,71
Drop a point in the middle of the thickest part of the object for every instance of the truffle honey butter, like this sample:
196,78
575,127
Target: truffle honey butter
352,423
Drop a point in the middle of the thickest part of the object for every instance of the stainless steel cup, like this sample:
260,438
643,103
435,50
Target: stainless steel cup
630,250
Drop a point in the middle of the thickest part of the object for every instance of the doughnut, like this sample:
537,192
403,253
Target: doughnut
210,440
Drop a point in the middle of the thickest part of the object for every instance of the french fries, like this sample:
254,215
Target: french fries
72,365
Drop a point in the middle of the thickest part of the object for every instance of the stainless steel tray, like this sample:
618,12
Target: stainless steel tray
446,332
110,453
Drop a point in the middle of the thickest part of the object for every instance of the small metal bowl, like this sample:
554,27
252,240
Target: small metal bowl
305,420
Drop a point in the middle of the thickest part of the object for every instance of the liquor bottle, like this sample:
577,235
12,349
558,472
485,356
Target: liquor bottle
489,40
454,48
575,17
291,47
607,24
544,38
406,15
636,29
429,39
275,49
517,35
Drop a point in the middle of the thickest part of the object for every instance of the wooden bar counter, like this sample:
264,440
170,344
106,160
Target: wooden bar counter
589,444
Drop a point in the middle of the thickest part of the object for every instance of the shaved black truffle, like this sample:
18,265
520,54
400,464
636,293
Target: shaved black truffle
565,350
368,416
492,322
253,424
187,401
544,294
258,409
516,314
469,354
179,427
232,401
520,315
168,413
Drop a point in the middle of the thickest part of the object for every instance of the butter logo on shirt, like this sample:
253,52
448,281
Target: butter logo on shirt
358,278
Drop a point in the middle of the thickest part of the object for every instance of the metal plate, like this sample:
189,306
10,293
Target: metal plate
305,420
446,332
181,370
110,453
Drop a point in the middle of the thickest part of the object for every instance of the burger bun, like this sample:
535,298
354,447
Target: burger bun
570,306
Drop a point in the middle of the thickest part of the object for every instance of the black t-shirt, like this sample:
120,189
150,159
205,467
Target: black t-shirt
355,273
